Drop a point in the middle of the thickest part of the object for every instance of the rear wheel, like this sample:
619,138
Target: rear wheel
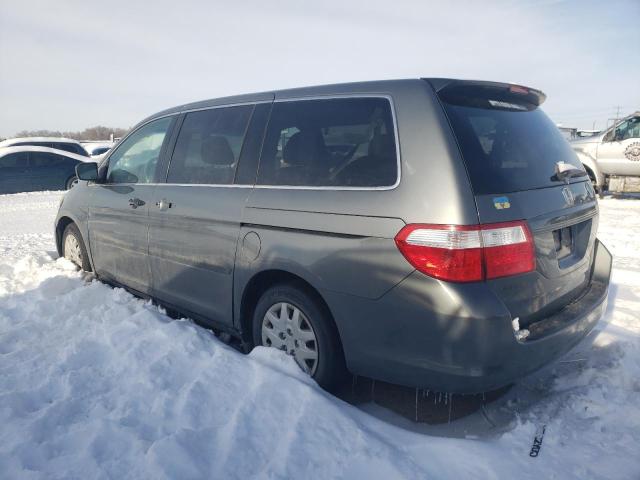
290,319
73,248
71,182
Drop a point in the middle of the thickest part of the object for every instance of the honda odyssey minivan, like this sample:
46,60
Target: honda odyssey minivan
429,232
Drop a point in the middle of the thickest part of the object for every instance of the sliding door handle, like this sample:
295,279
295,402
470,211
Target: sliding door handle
164,204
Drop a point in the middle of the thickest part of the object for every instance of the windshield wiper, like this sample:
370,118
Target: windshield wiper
565,171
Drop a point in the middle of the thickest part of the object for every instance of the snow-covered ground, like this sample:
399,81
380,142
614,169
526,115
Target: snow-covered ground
95,383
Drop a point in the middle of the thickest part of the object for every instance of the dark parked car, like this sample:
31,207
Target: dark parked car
430,232
26,169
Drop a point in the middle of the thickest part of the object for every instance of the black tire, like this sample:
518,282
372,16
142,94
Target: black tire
83,263
70,182
330,370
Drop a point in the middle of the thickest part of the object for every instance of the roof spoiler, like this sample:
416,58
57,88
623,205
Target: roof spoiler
469,88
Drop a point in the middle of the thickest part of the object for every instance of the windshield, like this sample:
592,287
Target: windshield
508,148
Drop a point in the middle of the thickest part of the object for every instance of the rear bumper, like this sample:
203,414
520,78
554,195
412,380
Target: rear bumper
458,337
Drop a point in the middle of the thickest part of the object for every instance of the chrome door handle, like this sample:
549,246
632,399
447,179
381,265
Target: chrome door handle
164,204
135,202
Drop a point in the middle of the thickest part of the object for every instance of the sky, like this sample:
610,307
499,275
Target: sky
67,65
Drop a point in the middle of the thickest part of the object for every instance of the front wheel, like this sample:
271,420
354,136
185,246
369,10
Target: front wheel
290,319
71,182
73,248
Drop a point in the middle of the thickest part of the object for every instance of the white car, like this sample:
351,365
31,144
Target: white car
59,143
612,157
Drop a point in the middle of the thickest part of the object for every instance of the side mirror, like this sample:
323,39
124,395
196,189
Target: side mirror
87,171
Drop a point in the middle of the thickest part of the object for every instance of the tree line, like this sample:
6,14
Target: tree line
92,133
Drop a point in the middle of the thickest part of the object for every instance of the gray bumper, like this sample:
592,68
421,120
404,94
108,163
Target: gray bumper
462,341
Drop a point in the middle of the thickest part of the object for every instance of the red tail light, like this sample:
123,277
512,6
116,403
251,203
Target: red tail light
518,89
468,253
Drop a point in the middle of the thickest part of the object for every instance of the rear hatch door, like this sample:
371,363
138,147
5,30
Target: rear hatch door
521,168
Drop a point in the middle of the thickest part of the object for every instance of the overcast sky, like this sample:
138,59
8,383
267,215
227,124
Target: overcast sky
67,65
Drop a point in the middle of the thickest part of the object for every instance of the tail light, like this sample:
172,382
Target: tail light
519,89
459,253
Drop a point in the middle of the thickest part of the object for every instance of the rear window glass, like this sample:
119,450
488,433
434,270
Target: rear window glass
334,143
71,147
508,146
67,147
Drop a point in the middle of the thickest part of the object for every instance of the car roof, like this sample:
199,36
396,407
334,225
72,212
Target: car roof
365,87
11,141
30,148
380,86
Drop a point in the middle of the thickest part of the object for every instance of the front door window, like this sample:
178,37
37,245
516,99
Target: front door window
628,129
135,160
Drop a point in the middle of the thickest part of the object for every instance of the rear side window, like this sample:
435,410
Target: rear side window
46,159
346,142
209,145
507,144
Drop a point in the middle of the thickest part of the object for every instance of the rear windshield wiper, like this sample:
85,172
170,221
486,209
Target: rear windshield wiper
565,171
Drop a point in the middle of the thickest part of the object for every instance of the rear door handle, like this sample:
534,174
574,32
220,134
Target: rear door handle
164,204
135,202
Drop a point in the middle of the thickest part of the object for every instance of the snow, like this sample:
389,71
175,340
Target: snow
95,383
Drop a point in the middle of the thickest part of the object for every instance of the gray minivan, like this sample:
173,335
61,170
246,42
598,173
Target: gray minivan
427,232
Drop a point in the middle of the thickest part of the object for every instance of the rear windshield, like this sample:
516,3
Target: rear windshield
508,146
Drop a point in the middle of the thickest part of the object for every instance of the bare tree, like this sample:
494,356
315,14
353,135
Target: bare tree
92,133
